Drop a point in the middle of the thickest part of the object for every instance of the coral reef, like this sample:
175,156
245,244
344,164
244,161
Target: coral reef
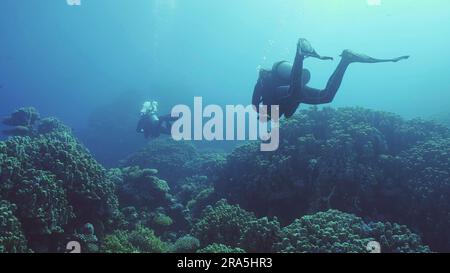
442,118
355,160
56,185
261,236
176,160
222,223
22,122
139,240
186,244
340,179
337,232
165,155
426,191
140,187
220,248
331,231
145,200
87,238
12,239
195,193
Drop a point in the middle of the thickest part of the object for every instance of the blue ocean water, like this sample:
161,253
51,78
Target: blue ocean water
93,65
67,60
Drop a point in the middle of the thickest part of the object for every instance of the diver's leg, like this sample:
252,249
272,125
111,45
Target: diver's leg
361,58
296,81
167,118
291,102
166,128
315,96
165,124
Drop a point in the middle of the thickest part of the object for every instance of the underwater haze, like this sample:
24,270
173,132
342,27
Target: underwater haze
372,166
68,60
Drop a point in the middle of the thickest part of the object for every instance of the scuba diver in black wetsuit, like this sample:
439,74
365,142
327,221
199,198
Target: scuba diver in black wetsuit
152,125
286,84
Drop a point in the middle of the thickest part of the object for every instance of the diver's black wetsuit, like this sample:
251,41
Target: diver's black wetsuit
154,127
291,90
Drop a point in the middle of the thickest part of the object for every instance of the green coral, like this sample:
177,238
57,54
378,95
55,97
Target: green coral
261,236
12,239
220,248
427,187
395,238
145,199
196,192
139,240
42,203
222,223
140,187
337,232
161,219
186,244
55,183
206,164
200,201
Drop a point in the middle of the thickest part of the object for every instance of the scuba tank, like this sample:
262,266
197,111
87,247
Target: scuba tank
282,71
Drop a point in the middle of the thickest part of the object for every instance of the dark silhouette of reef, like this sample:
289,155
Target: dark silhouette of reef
341,179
